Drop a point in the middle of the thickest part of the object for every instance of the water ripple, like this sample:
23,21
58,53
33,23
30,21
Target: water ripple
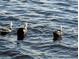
43,17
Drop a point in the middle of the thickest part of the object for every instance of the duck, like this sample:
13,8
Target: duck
4,31
21,32
57,35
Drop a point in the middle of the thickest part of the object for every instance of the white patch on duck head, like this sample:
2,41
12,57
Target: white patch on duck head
59,32
25,25
61,27
11,24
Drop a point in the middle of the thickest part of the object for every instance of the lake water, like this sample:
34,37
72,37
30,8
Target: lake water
43,17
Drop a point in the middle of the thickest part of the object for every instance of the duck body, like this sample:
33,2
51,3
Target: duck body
4,31
20,34
57,35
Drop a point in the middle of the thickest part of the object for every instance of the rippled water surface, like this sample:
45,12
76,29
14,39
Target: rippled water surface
43,17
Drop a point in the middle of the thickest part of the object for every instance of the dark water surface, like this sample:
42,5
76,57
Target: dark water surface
43,17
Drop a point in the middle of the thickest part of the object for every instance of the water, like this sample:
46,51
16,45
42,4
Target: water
43,17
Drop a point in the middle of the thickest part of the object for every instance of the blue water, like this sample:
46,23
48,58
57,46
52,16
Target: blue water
43,17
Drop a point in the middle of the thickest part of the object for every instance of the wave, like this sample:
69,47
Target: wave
46,46
15,55
23,57
9,18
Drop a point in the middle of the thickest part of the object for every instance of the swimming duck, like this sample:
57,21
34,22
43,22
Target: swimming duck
57,35
21,32
4,31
